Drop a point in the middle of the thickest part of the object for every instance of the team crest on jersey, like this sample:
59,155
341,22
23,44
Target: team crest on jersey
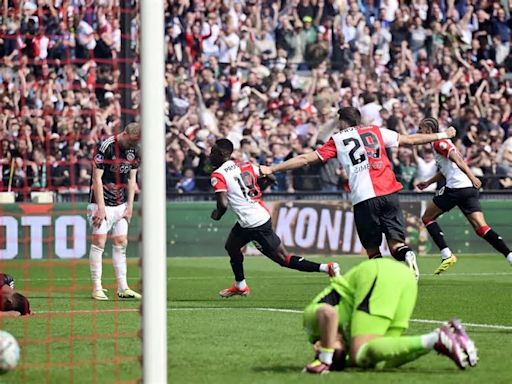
99,158
130,156
214,181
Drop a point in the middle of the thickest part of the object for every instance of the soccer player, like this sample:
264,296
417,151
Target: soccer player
361,150
461,190
236,184
111,206
363,314
11,303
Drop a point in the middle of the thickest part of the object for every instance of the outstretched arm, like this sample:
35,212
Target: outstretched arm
424,138
457,159
434,179
300,161
222,205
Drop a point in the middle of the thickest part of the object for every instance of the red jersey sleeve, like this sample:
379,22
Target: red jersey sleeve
327,151
219,182
443,147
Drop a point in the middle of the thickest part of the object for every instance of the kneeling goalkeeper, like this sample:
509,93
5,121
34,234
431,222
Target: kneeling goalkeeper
12,303
363,314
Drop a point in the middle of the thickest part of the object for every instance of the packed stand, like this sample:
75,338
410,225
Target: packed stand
59,90
270,75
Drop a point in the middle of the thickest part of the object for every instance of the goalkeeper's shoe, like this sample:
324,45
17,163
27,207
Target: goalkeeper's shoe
448,344
410,260
234,291
99,294
317,367
333,269
467,345
129,294
445,264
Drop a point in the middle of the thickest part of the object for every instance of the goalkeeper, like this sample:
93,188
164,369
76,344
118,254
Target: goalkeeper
363,314
11,303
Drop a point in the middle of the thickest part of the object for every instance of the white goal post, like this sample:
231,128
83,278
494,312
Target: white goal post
154,264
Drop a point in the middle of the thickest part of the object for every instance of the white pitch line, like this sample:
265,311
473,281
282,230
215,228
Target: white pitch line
259,277
263,309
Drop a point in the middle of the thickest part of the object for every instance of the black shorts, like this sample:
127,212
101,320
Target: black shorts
377,216
467,199
263,237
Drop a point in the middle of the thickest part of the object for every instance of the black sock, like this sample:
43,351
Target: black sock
497,242
237,265
301,264
400,252
437,235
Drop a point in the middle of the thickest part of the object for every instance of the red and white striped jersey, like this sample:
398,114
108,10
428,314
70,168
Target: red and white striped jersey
362,153
239,180
455,178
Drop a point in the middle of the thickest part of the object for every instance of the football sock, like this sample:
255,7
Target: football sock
391,352
437,235
324,268
95,265
241,284
301,264
446,253
496,241
119,261
325,355
237,266
400,252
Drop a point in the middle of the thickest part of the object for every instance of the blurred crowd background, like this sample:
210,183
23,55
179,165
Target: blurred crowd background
269,75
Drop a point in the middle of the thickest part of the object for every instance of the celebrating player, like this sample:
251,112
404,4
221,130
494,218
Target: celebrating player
111,205
236,185
11,303
361,150
461,190
363,314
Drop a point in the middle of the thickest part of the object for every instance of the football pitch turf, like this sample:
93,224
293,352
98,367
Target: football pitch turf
257,339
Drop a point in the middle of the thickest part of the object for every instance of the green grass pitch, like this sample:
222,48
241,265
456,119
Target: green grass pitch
257,339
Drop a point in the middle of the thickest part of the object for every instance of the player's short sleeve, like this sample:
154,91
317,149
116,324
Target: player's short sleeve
218,182
444,147
256,170
327,151
390,138
100,156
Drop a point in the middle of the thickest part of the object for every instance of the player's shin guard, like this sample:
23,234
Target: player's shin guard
436,233
301,264
95,265
390,352
494,239
119,261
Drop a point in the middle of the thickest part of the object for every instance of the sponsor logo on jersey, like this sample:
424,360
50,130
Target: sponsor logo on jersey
377,165
443,145
214,181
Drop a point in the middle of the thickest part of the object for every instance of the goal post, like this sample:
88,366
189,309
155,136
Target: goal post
154,262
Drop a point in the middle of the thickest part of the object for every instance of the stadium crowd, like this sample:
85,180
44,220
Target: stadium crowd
269,75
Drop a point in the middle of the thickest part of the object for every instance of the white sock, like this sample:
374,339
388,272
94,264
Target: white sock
445,253
509,257
119,261
430,339
241,284
95,265
325,355
324,268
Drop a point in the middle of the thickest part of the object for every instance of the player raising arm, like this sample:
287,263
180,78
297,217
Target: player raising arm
236,186
361,150
111,206
363,314
461,190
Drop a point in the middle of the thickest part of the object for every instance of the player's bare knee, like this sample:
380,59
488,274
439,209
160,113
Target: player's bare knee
99,241
120,241
326,313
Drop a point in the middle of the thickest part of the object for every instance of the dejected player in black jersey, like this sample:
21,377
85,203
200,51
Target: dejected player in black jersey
110,208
